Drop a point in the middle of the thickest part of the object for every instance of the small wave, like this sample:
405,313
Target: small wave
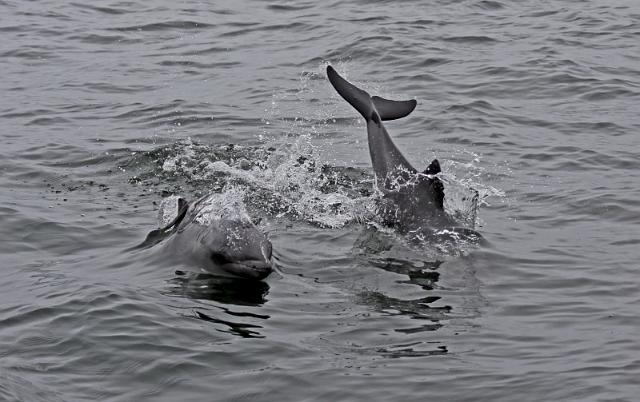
195,64
34,54
47,121
470,39
290,27
474,106
489,5
110,87
289,7
431,62
102,10
601,94
163,26
98,39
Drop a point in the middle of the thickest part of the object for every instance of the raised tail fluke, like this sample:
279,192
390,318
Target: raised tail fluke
391,110
359,99
365,104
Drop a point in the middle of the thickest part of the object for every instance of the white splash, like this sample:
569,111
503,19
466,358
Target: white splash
168,210
289,168
228,205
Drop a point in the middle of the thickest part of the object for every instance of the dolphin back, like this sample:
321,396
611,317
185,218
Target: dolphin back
365,104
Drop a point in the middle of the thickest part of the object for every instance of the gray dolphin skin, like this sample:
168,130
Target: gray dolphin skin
214,234
412,201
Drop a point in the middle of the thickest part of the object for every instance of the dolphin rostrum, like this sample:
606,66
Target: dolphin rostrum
412,201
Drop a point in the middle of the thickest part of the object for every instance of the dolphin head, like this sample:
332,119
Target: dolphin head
238,248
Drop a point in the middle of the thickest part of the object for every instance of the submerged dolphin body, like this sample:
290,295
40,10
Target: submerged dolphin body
215,234
412,201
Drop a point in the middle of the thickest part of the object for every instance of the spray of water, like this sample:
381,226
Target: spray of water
288,174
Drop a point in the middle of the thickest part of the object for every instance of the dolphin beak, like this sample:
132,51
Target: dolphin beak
250,259
252,269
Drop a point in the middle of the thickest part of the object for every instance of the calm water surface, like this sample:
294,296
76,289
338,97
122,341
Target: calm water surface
109,106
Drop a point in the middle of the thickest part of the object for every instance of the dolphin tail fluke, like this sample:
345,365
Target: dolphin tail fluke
365,104
359,99
391,110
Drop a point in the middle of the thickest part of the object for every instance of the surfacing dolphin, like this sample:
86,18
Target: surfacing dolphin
412,201
215,234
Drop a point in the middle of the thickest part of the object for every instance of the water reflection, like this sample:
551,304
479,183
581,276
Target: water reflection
437,303
425,277
422,316
415,309
237,328
412,350
226,290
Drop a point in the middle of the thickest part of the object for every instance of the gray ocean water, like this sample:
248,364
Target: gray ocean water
109,106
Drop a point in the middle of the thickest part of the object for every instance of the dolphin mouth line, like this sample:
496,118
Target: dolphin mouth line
253,269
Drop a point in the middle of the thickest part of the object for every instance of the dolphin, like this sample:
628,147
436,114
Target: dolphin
411,201
214,234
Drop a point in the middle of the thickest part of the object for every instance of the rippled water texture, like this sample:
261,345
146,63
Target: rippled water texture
108,106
